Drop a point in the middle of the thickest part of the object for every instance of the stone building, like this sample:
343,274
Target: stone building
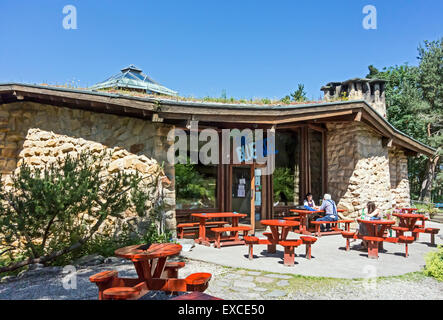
343,145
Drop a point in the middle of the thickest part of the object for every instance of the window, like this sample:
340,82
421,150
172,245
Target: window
286,177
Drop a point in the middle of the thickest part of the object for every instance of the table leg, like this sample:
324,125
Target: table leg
235,224
202,239
289,256
284,233
159,268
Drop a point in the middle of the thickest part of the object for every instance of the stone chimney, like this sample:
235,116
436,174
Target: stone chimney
370,90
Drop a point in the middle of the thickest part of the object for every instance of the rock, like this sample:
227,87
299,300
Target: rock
264,280
283,283
109,260
6,279
187,244
36,266
276,294
90,260
279,276
244,284
254,273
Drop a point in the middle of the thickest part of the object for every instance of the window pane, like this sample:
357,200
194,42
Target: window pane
286,179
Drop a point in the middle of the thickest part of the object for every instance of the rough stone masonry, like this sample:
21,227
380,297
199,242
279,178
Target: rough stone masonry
39,134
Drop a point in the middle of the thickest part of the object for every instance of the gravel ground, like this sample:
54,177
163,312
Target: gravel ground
229,284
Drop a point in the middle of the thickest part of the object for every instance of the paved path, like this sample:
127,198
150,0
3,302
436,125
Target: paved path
329,258
228,284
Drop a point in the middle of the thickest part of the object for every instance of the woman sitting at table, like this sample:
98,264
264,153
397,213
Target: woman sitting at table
330,209
309,203
374,214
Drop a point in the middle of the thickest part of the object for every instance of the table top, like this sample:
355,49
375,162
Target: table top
408,209
155,250
304,211
211,215
409,215
316,211
280,223
380,222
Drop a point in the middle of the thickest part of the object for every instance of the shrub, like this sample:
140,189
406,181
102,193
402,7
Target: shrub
55,211
434,264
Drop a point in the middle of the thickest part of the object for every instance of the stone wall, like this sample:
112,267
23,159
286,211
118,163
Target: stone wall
359,169
398,170
39,134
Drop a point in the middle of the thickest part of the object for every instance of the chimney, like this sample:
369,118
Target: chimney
370,90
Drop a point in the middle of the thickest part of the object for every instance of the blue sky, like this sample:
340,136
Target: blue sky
248,48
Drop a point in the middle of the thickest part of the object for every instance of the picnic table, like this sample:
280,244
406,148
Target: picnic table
376,235
234,238
408,210
153,271
408,222
279,232
279,229
304,227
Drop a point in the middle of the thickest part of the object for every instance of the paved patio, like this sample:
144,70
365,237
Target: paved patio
329,258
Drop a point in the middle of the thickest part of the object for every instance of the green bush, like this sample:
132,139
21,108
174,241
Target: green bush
434,264
57,210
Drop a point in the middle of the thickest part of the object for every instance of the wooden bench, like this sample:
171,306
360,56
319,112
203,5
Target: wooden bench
289,255
111,287
406,240
272,248
308,241
195,226
348,235
171,269
399,231
373,243
219,231
335,228
432,232
251,241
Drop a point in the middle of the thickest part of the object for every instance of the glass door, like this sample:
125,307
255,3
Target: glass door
241,192
248,193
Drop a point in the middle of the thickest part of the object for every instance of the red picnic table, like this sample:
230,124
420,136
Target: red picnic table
304,228
234,239
376,235
408,210
153,272
279,237
408,223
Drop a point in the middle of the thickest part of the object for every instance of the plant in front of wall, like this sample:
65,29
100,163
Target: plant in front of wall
52,211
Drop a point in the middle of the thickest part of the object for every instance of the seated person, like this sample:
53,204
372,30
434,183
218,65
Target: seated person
330,209
373,214
309,203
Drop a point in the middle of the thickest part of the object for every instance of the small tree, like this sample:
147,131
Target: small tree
298,95
49,212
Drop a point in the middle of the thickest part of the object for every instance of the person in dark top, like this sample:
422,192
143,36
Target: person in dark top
309,203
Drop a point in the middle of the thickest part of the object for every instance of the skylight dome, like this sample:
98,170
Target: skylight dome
132,78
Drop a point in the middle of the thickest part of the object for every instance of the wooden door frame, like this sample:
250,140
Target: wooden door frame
252,188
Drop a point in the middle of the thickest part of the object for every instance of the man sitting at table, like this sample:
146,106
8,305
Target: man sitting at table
330,209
